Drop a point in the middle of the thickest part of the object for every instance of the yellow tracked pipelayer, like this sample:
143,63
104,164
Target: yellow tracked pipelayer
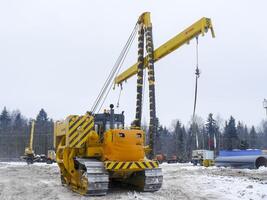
94,150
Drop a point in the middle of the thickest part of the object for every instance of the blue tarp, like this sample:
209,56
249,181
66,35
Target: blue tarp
240,152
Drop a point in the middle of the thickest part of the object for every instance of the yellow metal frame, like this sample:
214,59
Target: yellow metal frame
145,18
198,28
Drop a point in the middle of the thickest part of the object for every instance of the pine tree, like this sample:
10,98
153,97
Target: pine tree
203,138
42,116
191,142
263,136
231,140
212,131
158,143
242,134
18,122
43,125
244,144
5,121
246,135
253,138
166,141
240,130
180,138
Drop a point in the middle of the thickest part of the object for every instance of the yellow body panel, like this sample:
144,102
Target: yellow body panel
124,145
94,151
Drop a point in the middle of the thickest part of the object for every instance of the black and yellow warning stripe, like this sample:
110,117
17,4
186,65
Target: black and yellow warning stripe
72,119
79,127
136,165
83,136
83,124
78,122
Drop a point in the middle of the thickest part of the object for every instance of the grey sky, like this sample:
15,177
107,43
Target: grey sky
56,55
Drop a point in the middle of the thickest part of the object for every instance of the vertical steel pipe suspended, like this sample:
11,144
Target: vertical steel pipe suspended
139,96
151,81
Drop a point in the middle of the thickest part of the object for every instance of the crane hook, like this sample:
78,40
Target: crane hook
118,102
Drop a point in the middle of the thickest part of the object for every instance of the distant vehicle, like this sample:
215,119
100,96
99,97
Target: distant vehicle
40,158
160,158
172,159
51,157
163,158
203,157
29,155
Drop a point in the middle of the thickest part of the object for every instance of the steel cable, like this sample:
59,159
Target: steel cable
107,85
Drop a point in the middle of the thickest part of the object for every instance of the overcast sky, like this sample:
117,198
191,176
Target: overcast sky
56,55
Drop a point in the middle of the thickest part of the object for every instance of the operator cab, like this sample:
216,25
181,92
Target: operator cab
108,120
119,144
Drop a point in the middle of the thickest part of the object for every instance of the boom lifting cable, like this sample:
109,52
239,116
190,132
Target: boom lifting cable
143,96
107,85
118,68
127,48
111,75
197,73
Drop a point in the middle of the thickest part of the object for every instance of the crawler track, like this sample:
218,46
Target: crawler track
96,176
153,179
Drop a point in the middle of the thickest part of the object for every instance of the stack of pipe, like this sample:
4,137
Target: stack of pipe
252,159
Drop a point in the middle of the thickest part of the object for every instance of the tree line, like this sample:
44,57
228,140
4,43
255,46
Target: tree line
15,133
15,123
180,140
177,140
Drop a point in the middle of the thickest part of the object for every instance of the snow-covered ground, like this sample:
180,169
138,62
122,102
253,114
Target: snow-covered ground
19,181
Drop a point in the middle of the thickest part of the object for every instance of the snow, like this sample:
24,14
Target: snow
11,164
19,164
216,183
20,181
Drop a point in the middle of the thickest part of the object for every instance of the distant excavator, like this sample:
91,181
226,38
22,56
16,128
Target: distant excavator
95,149
29,155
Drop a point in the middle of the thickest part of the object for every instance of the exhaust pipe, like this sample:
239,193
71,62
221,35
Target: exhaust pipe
111,116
